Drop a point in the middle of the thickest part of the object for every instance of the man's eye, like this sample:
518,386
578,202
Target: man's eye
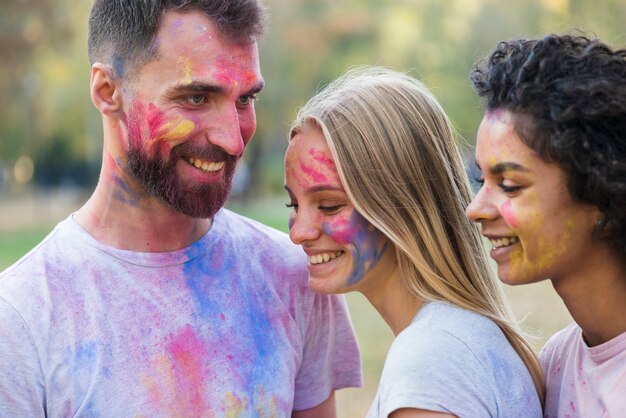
246,100
196,99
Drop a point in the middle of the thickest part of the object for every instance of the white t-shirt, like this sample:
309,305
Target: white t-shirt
455,361
584,381
225,327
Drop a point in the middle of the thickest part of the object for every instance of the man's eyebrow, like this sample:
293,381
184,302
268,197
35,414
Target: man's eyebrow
199,87
194,87
256,88
506,166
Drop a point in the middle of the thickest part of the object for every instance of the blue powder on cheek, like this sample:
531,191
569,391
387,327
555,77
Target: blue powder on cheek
365,240
365,255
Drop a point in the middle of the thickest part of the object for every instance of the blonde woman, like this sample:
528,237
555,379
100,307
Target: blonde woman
378,194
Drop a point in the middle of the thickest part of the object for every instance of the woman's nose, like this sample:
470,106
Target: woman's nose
303,227
481,208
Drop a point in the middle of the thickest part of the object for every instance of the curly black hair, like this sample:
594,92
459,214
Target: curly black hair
568,97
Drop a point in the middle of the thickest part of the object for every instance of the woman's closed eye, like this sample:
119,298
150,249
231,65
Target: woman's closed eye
329,209
508,186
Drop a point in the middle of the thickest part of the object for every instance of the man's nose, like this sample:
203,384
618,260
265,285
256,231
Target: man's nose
226,130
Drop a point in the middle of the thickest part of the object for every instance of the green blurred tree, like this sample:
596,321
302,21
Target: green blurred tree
44,75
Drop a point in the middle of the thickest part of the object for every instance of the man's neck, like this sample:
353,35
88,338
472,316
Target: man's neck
144,224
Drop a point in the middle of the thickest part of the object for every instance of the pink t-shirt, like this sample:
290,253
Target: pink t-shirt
584,381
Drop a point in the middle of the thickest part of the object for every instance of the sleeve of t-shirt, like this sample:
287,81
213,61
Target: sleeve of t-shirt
21,382
331,358
438,373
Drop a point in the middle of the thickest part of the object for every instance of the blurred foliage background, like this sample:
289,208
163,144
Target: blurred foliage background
50,134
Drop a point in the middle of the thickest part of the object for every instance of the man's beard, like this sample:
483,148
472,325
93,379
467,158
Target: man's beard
159,178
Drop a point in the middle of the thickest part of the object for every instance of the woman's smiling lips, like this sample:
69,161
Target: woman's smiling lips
501,246
323,258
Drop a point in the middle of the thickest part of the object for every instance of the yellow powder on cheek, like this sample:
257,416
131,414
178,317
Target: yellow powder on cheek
173,131
548,250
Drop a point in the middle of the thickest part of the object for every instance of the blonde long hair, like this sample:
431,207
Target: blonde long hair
394,149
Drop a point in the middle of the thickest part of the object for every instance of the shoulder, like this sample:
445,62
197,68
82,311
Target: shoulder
251,232
262,252
452,324
443,335
260,244
35,265
559,344
453,360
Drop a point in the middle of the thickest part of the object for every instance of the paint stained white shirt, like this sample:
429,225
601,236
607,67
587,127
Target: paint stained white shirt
583,381
455,361
225,327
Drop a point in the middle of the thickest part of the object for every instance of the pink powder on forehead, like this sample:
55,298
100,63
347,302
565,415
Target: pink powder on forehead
312,172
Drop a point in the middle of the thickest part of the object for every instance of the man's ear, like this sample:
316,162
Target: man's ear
106,90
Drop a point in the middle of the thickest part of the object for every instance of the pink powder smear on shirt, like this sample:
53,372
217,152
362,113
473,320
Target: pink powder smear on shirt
187,353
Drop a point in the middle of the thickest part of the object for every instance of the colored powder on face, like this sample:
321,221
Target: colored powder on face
508,214
291,221
185,64
155,118
323,158
315,175
174,131
136,115
364,237
322,163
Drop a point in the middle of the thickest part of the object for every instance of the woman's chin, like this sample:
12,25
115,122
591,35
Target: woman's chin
326,286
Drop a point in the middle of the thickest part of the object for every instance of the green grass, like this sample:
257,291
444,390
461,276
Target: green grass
14,244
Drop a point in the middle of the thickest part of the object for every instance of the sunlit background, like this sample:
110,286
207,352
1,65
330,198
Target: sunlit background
50,134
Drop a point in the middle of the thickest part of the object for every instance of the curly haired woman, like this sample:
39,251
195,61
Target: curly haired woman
552,151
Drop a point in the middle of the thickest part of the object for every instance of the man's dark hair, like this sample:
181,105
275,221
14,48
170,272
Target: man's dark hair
568,97
122,32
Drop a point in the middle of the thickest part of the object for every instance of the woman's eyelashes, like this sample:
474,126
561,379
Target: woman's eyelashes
508,186
326,209
505,185
329,209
